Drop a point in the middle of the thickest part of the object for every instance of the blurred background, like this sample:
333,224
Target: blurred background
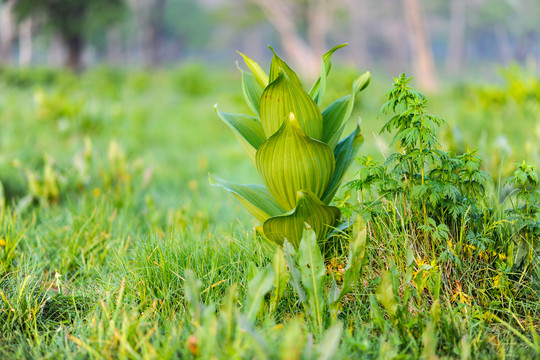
116,96
425,38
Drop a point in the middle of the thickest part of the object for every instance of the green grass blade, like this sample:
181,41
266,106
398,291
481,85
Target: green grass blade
255,198
290,161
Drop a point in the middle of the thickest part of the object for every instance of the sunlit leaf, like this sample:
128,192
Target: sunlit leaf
284,96
336,115
344,153
255,198
313,272
258,287
290,161
309,210
252,91
260,75
247,129
318,89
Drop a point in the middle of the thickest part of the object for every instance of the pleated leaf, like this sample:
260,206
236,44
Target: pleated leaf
318,89
344,153
248,130
309,210
336,115
252,91
290,161
260,75
255,198
279,66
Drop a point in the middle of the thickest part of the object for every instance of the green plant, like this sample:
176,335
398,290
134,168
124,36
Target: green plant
295,147
438,193
526,211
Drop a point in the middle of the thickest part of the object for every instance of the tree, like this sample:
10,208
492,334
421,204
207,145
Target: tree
72,20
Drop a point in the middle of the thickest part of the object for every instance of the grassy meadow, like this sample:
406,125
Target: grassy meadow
113,244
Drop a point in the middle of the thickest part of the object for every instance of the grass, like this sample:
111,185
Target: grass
98,267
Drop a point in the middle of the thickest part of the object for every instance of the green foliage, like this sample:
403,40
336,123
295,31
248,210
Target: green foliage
434,209
437,189
525,213
295,147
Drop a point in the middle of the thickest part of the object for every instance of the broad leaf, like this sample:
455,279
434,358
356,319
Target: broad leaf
284,96
344,153
336,115
247,129
279,265
357,249
313,273
318,89
279,66
256,70
252,90
258,287
329,344
290,161
255,198
309,210
295,280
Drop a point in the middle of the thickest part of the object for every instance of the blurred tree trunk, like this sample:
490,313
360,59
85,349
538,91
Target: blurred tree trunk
422,53
281,15
74,45
7,31
456,37
358,18
114,45
25,42
503,42
317,25
149,22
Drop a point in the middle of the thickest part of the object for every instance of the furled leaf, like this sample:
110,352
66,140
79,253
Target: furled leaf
284,95
313,272
336,115
309,210
258,287
255,198
252,91
256,70
247,129
318,89
290,161
344,153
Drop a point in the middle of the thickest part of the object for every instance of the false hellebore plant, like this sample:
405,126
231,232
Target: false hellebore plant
295,147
